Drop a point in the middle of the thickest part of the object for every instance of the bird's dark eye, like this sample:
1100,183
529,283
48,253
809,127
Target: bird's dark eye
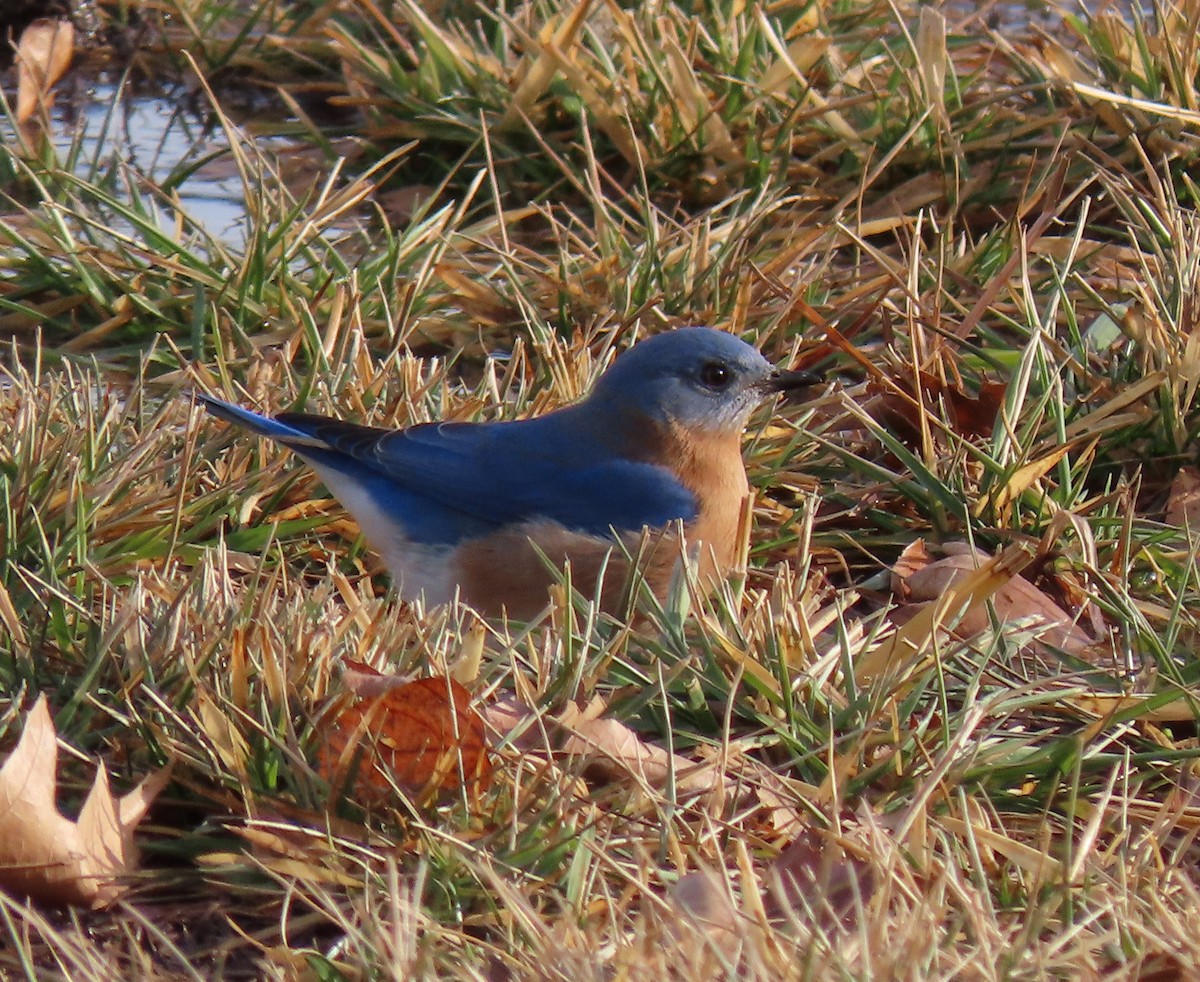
716,375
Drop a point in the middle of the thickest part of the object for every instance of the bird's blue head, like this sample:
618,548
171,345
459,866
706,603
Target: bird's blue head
696,377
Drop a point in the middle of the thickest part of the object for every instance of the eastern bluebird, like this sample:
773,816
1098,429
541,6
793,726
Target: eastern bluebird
490,509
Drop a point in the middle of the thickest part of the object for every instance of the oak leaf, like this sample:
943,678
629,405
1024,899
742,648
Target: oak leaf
45,855
420,736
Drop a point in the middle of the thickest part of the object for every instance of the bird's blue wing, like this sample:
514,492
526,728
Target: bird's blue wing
448,481
347,451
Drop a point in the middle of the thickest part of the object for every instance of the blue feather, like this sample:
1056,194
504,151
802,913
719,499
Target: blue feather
451,481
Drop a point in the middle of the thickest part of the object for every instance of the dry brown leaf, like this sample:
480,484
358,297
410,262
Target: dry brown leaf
915,557
1012,600
1183,502
43,854
778,803
896,404
820,877
515,722
911,647
818,872
615,753
43,56
421,736
706,899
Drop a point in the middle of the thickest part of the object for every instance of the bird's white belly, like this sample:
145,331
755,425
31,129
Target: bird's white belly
418,569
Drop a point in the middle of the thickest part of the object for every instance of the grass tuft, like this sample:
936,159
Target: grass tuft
988,240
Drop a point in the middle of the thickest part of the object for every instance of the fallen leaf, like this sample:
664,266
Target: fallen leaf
1183,500
43,56
1013,599
515,723
420,736
706,899
915,557
778,804
896,404
818,874
364,681
911,647
43,854
615,753
822,877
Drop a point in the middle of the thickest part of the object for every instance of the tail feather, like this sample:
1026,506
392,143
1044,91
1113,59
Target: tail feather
262,425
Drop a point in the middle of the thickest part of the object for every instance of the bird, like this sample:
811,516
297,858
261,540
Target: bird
494,511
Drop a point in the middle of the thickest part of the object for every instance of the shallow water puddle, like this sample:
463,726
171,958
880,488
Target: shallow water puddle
121,137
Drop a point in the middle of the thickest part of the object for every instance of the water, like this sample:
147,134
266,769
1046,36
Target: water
154,133
169,135
163,135
1023,17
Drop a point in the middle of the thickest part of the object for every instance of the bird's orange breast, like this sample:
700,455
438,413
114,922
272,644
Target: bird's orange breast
507,570
710,466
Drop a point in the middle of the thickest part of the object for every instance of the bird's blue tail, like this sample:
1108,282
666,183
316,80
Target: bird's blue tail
257,423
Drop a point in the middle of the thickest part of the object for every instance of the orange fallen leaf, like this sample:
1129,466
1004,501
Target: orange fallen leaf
43,854
421,736
43,57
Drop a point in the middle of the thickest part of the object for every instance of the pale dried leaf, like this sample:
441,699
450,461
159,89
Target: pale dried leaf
778,802
43,56
365,682
45,855
611,750
1015,599
614,753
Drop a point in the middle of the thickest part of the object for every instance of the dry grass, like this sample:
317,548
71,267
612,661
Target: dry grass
920,206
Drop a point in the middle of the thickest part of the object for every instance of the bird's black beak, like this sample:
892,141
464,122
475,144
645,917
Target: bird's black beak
791,382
